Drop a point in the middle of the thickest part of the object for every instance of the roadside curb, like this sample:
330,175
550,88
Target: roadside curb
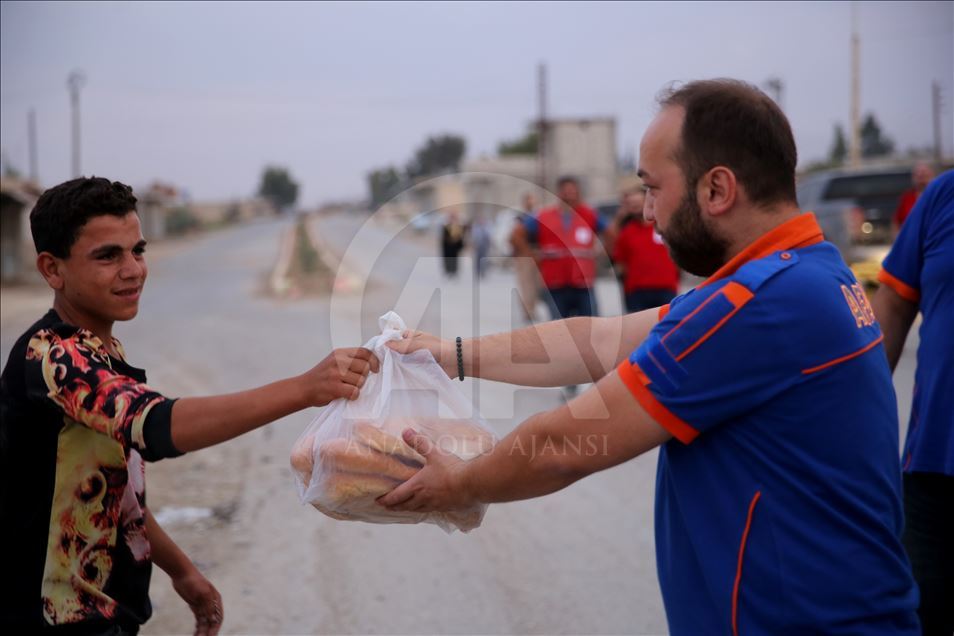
279,282
346,280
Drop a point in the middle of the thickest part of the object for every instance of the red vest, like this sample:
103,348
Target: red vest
567,258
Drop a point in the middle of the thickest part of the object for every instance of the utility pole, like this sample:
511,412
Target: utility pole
936,108
542,125
75,81
31,145
776,86
854,153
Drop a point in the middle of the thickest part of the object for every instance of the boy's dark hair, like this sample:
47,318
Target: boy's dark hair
733,124
62,210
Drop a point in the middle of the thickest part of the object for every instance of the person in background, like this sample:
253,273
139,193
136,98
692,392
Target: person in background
567,235
650,278
77,421
525,266
481,239
452,242
918,275
921,175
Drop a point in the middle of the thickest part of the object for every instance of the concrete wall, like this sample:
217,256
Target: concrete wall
585,149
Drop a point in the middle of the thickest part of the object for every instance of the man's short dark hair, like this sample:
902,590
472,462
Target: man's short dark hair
733,124
62,210
562,181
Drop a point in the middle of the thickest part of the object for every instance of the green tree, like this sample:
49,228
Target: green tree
383,184
278,187
526,145
443,152
839,147
874,143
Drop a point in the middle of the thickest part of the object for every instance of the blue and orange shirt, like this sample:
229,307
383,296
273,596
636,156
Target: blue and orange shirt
778,506
920,268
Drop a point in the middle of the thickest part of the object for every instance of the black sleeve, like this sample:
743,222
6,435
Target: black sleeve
157,433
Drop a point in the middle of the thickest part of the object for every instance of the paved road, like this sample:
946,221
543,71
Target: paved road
579,561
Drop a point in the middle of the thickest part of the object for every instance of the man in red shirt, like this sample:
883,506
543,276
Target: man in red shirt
566,235
921,175
650,278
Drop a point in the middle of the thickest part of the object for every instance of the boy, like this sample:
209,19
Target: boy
78,420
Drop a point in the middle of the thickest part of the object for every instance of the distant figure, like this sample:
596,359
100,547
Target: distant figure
567,235
452,242
480,236
650,278
525,266
921,175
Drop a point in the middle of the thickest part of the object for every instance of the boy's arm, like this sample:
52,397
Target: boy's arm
200,422
196,590
78,380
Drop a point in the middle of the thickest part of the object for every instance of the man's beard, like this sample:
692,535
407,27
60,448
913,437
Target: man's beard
692,243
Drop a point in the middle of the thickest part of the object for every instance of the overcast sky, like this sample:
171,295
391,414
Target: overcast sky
204,95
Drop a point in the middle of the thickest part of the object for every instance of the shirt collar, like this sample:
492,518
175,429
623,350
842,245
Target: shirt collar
801,231
93,342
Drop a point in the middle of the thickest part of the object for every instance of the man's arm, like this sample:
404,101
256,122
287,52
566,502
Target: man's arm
203,599
205,421
601,428
519,240
572,351
895,315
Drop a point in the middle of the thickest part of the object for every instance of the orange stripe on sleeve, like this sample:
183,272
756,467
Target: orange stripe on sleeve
900,287
736,294
857,353
636,381
686,319
663,311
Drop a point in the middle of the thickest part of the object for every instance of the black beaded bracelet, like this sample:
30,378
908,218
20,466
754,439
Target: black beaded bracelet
460,359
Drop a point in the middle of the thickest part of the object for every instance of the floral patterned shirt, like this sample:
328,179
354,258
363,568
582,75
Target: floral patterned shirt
76,426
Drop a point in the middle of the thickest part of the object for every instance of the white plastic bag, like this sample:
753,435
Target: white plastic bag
353,453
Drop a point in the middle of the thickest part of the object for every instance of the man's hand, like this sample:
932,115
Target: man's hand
203,599
340,375
444,351
438,486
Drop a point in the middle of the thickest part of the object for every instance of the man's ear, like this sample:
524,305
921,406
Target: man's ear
50,268
718,191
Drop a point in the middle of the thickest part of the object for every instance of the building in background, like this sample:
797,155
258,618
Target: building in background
17,254
582,147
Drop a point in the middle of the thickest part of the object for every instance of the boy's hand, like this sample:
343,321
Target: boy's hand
340,375
203,599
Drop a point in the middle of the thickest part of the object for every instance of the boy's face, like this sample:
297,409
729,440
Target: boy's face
104,275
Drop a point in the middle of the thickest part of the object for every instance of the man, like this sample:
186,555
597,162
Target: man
566,234
766,388
650,278
918,275
525,266
921,175
78,420
452,243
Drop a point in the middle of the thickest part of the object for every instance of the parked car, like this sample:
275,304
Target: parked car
426,221
854,206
